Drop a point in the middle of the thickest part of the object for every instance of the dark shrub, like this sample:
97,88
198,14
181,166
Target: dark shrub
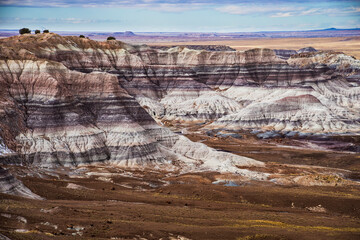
37,31
81,36
24,30
46,31
111,38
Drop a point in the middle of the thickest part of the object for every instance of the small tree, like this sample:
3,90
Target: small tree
81,36
111,38
46,31
37,31
24,30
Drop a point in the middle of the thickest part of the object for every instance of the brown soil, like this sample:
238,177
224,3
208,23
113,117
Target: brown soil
154,205
279,150
190,206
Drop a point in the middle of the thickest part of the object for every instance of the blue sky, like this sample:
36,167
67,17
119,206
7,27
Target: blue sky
179,16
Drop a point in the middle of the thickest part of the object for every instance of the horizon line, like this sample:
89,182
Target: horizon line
259,31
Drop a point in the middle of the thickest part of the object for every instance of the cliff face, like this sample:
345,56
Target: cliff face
51,115
70,113
71,101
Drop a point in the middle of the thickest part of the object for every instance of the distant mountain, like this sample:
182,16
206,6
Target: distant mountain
336,29
126,33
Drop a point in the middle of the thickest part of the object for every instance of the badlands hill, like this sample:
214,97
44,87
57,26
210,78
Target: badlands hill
95,142
69,101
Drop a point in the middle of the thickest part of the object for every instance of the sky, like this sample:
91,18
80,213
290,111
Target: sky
179,15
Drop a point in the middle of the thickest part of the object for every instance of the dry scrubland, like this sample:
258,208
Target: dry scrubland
348,45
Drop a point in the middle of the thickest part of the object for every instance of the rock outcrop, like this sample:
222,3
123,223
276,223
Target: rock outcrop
53,116
72,101
337,61
284,53
307,49
198,47
10,185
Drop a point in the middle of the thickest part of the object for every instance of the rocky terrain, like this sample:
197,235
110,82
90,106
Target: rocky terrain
286,54
74,108
198,47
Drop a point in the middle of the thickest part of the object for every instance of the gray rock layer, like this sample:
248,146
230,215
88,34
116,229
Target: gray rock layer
10,185
71,101
52,115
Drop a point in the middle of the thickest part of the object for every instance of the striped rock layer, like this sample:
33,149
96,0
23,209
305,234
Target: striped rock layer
70,100
10,185
53,114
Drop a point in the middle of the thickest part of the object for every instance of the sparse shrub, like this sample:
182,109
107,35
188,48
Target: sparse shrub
262,237
24,30
81,36
37,31
111,38
46,31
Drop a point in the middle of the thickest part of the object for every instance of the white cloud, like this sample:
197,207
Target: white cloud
161,5
330,11
251,9
278,8
285,10
169,7
284,14
175,6
310,11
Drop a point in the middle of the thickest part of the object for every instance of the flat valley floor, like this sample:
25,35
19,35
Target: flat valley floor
116,204
348,45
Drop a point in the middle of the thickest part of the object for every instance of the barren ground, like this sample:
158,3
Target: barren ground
152,205
348,45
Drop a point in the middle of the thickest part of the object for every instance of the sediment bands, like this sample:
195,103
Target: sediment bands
10,185
71,101
69,117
